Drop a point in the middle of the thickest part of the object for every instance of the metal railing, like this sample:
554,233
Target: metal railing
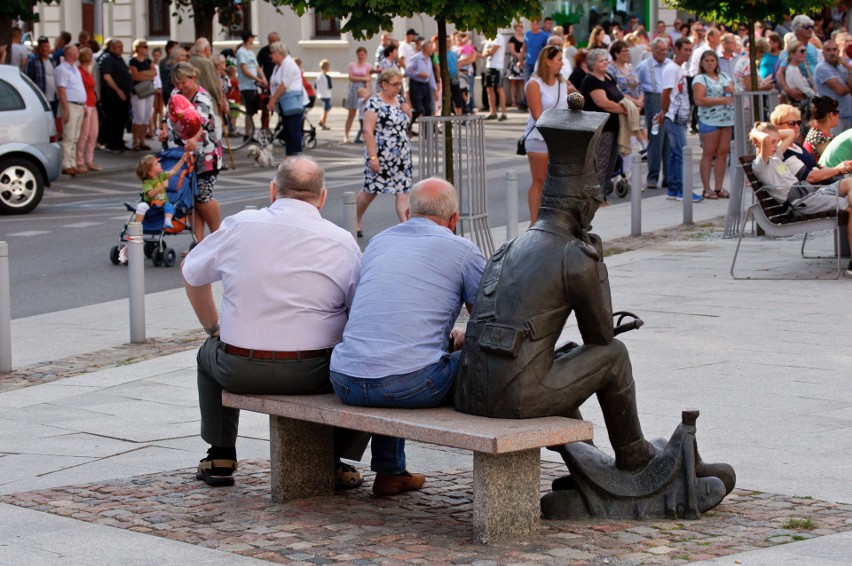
468,167
743,122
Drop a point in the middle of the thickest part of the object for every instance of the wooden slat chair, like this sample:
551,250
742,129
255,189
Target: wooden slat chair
775,219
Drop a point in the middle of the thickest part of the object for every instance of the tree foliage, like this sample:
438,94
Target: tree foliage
367,18
10,10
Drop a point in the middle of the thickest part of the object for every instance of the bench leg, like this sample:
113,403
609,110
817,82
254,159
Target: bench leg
505,495
302,459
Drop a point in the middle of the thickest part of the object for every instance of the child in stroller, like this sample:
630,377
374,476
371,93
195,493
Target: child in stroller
180,192
154,183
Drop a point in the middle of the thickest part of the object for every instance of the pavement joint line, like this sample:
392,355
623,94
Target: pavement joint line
430,526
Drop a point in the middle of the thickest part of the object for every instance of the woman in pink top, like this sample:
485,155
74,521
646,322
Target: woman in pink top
359,77
89,129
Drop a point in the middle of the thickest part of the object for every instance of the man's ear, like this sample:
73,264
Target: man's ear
272,191
323,196
408,214
451,223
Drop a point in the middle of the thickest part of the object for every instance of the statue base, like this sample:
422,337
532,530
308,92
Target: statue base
675,484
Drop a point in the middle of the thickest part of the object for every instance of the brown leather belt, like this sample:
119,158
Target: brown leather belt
267,355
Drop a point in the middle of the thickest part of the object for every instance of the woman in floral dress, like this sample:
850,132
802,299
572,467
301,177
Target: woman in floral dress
387,153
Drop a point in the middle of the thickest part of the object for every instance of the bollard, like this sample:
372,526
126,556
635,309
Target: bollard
349,212
136,274
636,184
511,204
5,311
687,185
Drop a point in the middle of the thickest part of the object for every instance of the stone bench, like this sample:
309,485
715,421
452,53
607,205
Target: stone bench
506,452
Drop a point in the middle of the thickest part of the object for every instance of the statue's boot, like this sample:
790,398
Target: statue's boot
668,485
724,472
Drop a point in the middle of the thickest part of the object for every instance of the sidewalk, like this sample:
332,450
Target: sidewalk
98,439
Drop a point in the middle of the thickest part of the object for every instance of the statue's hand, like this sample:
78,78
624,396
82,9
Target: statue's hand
621,326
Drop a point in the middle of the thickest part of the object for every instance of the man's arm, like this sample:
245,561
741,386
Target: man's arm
111,84
838,87
588,293
201,299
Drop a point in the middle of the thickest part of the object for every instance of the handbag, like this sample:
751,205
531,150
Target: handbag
144,89
291,103
522,148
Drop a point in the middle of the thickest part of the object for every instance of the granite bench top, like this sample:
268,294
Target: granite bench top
442,425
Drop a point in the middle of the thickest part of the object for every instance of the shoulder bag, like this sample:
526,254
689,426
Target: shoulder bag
522,148
144,89
290,103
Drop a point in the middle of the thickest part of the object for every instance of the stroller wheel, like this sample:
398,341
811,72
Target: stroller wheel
149,248
157,258
113,255
169,257
622,187
310,140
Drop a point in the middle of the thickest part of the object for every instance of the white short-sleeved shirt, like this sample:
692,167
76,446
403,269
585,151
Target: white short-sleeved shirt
288,74
674,78
498,60
555,96
69,78
406,51
289,277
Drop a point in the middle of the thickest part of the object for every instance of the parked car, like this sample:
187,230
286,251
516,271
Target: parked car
30,158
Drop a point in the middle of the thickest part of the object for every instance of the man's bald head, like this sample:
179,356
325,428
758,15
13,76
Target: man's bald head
272,38
301,178
434,198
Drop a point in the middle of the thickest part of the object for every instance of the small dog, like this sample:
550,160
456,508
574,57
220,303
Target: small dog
262,155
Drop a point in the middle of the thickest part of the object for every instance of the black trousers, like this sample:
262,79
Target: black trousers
112,129
422,101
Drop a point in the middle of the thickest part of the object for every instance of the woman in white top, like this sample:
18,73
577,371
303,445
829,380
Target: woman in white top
286,77
795,78
545,90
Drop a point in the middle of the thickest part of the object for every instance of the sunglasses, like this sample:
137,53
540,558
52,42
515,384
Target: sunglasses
395,84
807,27
793,123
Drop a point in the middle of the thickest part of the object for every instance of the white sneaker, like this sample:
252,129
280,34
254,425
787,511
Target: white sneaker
167,224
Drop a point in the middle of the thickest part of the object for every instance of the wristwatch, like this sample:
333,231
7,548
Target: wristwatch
212,330
374,158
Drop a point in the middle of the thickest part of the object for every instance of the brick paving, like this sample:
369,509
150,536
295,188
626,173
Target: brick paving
432,526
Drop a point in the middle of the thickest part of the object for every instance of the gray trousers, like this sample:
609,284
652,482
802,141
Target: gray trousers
218,371
658,146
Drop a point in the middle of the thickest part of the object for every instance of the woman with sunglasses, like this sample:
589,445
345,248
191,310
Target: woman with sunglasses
545,90
801,163
797,54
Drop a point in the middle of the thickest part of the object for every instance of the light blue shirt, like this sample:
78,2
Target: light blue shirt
824,73
414,278
646,80
248,57
420,64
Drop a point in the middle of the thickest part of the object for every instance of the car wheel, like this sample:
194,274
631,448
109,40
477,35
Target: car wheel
21,185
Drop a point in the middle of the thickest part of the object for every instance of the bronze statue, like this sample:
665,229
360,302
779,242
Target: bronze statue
511,367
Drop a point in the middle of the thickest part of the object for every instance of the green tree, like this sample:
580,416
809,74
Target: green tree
10,10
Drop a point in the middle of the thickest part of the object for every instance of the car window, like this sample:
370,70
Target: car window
10,98
37,91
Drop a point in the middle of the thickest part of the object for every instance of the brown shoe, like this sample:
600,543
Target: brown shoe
385,485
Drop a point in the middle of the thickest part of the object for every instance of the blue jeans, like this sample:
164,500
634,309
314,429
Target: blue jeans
426,387
657,145
676,136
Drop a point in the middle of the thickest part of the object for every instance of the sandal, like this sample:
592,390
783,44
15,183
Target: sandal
722,193
708,194
216,473
346,477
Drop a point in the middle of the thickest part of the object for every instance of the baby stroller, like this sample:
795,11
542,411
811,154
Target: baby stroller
181,192
309,132
620,180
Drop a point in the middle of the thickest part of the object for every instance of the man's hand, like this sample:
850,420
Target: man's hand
121,95
457,337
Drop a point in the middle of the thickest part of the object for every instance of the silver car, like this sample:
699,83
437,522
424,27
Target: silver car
30,158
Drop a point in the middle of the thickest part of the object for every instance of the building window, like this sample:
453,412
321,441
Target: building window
243,23
325,27
159,18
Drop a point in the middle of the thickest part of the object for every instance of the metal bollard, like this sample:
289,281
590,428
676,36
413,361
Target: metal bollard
511,204
349,212
5,311
687,185
136,274
636,184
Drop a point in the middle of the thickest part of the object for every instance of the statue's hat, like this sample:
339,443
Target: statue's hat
572,141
